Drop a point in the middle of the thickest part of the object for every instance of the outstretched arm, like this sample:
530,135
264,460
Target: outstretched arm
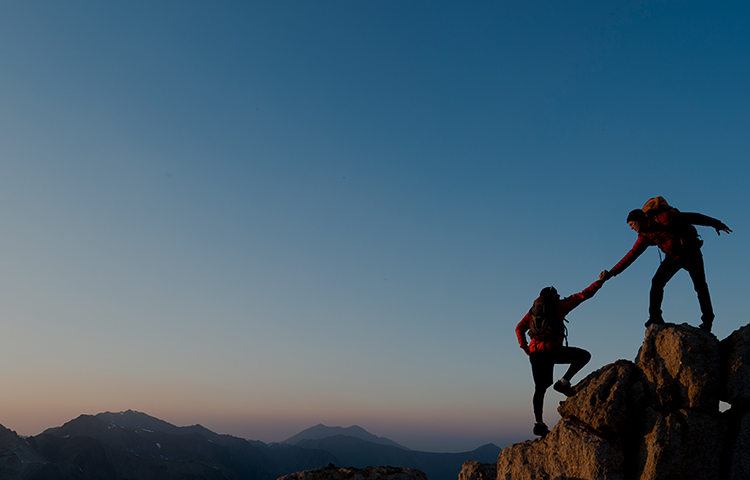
639,247
722,228
569,303
706,221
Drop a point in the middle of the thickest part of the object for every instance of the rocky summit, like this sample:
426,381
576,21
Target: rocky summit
656,418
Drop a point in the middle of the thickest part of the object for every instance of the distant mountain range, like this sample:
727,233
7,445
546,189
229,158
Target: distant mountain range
358,453
132,445
320,431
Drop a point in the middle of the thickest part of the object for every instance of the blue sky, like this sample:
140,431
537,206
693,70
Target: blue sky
264,216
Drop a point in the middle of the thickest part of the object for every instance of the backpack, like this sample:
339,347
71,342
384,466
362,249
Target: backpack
657,205
686,233
546,325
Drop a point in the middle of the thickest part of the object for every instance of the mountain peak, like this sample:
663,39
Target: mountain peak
320,431
133,420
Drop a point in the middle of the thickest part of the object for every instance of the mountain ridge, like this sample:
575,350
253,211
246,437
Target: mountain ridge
131,445
320,431
359,453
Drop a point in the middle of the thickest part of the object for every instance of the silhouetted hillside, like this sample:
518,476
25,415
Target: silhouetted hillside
90,448
19,460
292,458
321,431
438,466
133,420
135,446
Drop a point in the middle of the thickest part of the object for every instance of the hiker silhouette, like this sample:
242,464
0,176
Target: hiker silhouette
673,232
545,323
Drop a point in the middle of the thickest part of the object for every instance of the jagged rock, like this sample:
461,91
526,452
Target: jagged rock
332,472
571,451
681,365
472,470
655,419
735,368
682,444
609,399
735,461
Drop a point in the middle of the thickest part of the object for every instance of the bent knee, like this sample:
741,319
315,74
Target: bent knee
583,357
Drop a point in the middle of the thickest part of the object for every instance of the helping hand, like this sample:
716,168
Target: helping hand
723,228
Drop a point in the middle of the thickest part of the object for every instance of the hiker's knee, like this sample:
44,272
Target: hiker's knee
585,356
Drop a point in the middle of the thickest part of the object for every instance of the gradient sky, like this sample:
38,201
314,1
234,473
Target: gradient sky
263,216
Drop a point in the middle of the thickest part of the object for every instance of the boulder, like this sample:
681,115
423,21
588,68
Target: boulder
472,470
738,461
571,450
609,399
681,444
735,368
653,419
681,365
332,472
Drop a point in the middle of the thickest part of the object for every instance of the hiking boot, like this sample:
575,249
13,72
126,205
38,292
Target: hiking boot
564,387
706,326
541,429
654,321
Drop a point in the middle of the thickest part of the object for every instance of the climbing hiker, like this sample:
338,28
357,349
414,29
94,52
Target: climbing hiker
673,232
545,323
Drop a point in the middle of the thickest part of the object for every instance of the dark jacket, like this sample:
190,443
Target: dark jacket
670,231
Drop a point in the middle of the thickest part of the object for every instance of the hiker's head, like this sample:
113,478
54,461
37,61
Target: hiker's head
549,293
637,219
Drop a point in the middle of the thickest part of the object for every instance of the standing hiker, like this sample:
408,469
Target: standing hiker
673,232
545,323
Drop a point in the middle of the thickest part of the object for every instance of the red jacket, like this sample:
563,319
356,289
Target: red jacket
665,233
564,306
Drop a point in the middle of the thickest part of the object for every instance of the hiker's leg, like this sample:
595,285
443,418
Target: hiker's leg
576,357
538,403
542,370
663,274
694,266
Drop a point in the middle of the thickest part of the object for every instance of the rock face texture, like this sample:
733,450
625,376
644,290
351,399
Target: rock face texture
472,470
332,472
681,366
735,368
653,419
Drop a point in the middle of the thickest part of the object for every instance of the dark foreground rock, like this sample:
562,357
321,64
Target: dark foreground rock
332,472
472,470
653,419
735,368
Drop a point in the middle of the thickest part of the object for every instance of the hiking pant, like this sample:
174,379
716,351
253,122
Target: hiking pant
542,369
693,263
